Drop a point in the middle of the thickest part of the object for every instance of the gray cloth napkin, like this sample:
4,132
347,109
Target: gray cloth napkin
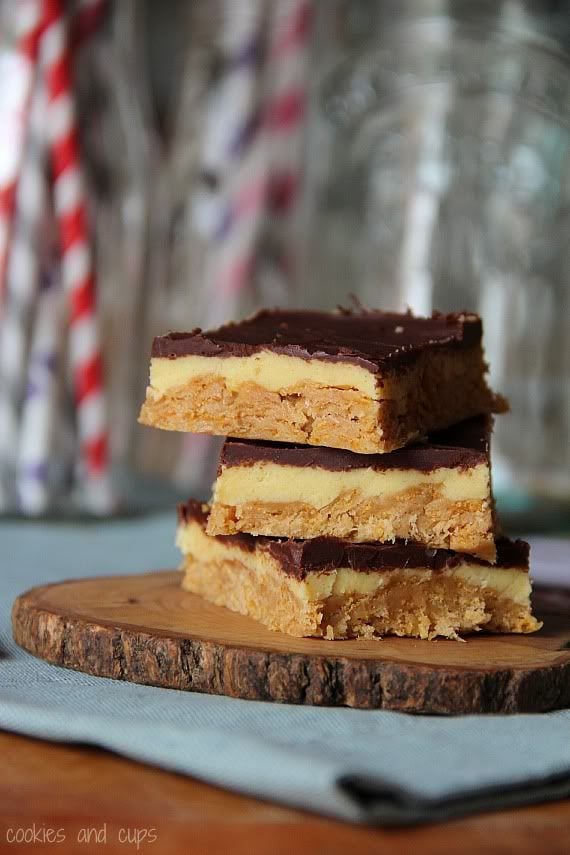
356,765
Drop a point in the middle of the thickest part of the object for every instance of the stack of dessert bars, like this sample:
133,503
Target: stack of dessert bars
353,498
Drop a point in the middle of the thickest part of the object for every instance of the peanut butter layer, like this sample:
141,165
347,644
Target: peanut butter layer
368,382
437,493
336,589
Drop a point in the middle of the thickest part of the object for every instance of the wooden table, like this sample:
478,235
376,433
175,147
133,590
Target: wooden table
74,791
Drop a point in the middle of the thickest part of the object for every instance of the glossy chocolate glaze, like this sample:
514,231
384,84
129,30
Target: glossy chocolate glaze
370,339
462,446
321,554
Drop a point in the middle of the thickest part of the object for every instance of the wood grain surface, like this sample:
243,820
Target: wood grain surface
78,789
147,630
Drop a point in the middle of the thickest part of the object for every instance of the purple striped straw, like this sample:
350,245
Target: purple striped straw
34,481
21,289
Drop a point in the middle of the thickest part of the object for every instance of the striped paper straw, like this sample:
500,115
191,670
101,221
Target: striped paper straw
285,118
38,454
39,416
230,205
77,270
233,112
231,260
87,18
263,144
36,434
287,103
20,293
16,80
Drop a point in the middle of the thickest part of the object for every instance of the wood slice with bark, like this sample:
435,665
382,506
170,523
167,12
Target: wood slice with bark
145,629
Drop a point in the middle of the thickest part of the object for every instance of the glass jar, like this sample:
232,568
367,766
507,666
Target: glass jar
438,177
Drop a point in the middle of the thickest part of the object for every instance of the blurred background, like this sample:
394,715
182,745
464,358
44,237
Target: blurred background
172,165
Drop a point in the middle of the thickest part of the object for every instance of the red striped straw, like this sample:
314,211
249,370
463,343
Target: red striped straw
28,23
86,21
285,120
77,269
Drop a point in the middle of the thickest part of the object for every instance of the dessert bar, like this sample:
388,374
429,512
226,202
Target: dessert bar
366,381
340,589
437,493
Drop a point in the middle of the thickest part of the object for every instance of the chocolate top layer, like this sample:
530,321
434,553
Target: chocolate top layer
321,554
371,339
462,446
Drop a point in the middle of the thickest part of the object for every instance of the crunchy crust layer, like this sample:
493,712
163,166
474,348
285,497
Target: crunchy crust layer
407,605
439,389
418,513
339,418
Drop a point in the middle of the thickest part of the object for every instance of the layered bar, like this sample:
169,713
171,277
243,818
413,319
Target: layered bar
365,381
437,493
335,588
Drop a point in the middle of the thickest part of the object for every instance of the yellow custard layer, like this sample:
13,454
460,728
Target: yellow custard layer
271,371
508,582
270,482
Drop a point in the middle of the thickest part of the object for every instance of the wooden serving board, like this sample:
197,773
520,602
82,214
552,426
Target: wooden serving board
147,630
